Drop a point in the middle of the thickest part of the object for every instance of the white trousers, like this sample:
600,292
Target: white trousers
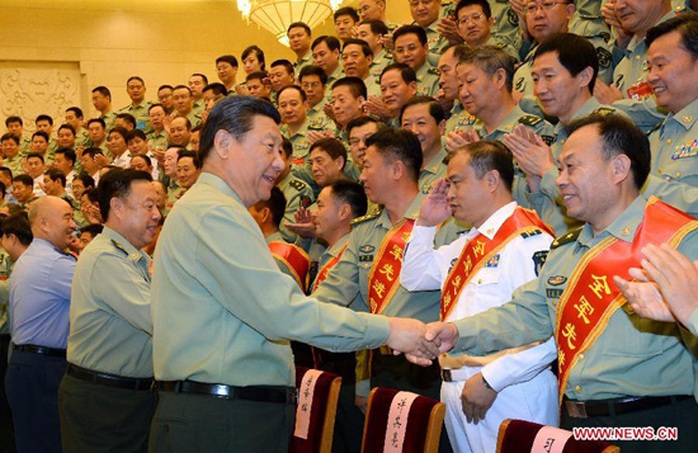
534,400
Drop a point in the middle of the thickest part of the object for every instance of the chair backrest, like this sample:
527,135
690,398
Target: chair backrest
516,436
402,421
318,392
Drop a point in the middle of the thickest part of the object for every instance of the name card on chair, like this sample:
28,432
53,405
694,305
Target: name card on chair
305,403
551,440
397,421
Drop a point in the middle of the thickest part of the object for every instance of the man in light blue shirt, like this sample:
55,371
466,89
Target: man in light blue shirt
39,303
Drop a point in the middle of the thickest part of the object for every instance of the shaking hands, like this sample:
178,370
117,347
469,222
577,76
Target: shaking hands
421,343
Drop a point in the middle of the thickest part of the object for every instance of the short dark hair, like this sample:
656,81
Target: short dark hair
190,154
411,29
24,179
256,49
152,106
286,147
92,152
97,120
261,75
10,136
217,88
364,120
435,109
685,24
130,119
145,158
488,155
68,153
165,87
87,180
203,77
276,204
42,134
14,119
135,77
93,229
104,91
285,63
18,224
36,156
76,110
333,147
182,87
620,136
358,42
117,183
293,87
407,74
484,4
378,27
121,131
55,175
136,133
44,117
399,144
234,115
575,54
356,86
230,59
302,25
313,70
7,171
331,42
67,127
346,11
353,194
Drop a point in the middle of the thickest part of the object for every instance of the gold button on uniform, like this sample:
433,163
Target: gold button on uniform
678,174
581,356
687,118
668,141
578,389
626,231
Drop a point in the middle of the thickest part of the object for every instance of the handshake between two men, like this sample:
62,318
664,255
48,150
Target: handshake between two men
421,343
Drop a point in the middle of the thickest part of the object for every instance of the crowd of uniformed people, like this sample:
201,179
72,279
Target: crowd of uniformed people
502,191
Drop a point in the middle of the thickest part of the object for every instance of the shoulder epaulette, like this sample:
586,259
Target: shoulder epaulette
316,124
117,245
603,111
433,71
367,217
297,184
530,120
566,238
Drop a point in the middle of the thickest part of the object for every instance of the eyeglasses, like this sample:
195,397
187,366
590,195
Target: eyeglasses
306,85
473,18
531,8
402,50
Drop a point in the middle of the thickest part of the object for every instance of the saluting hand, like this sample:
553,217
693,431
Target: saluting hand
435,208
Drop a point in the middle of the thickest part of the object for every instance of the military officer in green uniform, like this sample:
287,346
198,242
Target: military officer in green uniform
486,93
10,149
299,39
426,14
506,23
373,31
674,143
297,192
474,23
619,370
225,369
107,398
157,139
410,48
135,87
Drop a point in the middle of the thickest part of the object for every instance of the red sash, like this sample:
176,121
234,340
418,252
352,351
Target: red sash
297,261
384,278
480,250
322,275
591,297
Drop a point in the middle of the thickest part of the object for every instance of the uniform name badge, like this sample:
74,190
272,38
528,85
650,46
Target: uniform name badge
590,299
480,250
384,278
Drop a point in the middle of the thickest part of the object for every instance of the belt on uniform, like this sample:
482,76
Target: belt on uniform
110,380
282,395
584,409
41,350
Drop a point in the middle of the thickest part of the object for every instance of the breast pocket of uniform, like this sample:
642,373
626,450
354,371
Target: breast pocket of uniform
486,290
